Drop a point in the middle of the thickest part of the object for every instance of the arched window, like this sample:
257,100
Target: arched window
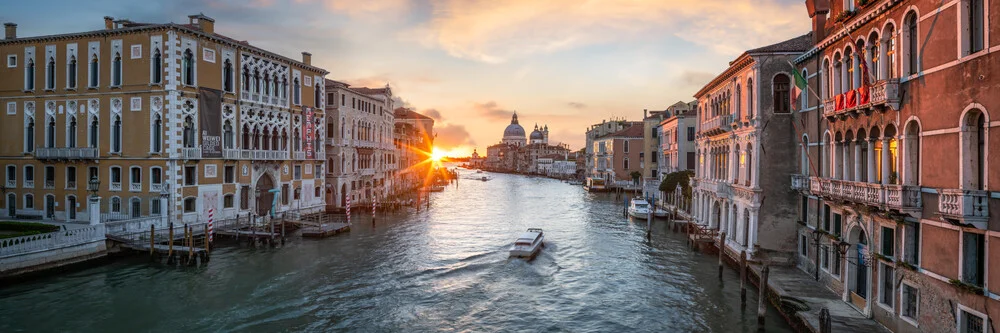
157,67
116,70
838,74
50,132
50,74
116,205
750,104
267,84
157,144
873,55
911,167
71,73
804,95
94,72
29,201
889,52
284,140
297,95
275,86
227,76
256,81
295,140
29,75
246,78
187,67
246,137
188,132
227,135
135,207
71,132
848,81
781,98
93,133
284,87
29,135
739,102
911,63
316,95
973,18
974,150
116,134
749,165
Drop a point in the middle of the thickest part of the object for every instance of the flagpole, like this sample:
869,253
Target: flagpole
871,78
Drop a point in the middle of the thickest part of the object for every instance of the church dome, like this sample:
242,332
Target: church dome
536,135
514,130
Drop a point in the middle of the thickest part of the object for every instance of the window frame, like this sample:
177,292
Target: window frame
962,309
884,290
902,301
194,205
191,173
9,63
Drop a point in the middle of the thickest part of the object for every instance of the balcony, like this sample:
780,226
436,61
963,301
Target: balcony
245,95
11,183
800,183
156,188
66,153
298,155
263,155
135,187
50,184
29,183
367,172
901,198
668,146
319,156
330,142
115,187
746,193
881,95
71,185
718,124
191,153
723,189
965,206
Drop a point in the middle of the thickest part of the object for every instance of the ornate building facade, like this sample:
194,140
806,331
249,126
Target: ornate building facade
362,162
184,122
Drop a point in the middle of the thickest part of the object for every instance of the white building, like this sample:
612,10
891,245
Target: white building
677,138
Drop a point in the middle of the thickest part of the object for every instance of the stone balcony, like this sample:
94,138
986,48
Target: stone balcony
901,198
191,153
800,183
66,153
965,206
11,183
319,156
716,125
883,94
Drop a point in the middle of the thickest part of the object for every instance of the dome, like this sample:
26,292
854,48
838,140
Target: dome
536,135
514,130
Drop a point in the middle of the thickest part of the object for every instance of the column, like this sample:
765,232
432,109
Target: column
163,210
753,232
94,209
871,162
857,159
885,161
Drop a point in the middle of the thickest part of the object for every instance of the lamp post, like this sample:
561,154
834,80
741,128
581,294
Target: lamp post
842,246
94,203
816,235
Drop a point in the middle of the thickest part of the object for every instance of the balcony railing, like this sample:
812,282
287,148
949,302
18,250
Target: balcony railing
718,124
903,198
231,154
66,153
800,183
115,187
50,183
71,185
135,187
156,188
11,183
245,95
299,155
29,184
191,153
367,172
967,206
884,93
723,189
319,155
263,155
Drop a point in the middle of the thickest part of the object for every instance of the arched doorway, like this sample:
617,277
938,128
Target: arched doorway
716,215
858,266
746,226
50,206
11,205
264,185
71,208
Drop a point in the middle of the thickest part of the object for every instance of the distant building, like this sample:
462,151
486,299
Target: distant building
617,156
677,138
476,161
414,142
515,153
599,130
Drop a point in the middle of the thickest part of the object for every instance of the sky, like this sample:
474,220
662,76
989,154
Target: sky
469,64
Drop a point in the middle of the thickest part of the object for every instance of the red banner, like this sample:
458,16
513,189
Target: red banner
863,97
850,99
839,102
310,134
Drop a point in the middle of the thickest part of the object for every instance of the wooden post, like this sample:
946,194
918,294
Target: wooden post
191,245
170,244
743,279
722,250
152,240
762,299
825,324
206,242
282,231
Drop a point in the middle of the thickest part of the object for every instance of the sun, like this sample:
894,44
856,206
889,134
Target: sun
437,154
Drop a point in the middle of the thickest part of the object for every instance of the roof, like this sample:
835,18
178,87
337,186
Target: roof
632,132
404,113
371,91
798,44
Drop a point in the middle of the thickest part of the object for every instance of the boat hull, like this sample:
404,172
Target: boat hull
638,214
526,252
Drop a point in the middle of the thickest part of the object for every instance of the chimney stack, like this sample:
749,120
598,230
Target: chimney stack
645,113
109,22
817,12
307,58
205,23
9,30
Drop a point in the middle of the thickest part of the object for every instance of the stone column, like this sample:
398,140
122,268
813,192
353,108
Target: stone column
164,216
871,162
885,161
857,160
94,209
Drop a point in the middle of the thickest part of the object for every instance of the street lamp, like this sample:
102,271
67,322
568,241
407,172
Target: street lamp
93,185
842,246
816,235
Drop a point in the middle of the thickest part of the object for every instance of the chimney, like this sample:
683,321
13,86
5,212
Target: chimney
307,58
9,30
645,113
817,11
205,23
109,22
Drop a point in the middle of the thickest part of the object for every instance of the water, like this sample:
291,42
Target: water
445,269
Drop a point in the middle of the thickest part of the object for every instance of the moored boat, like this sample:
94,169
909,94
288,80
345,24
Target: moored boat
638,208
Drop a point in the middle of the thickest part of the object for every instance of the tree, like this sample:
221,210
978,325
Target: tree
671,180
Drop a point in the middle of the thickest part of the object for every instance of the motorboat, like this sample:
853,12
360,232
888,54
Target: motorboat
660,212
436,188
527,244
638,208
576,182
484,178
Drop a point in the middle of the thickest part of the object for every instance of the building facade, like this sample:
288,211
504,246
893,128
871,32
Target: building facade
899,201
744,112
677,134
618,157
414,142
186,123
362,160
593,133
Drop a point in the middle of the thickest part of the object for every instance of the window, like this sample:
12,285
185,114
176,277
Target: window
911,243
626,163
245,197
973,251
157,71
781,97
835,263
71,132
154,206
317,95
972,27
690,160
227,201
298,172
116,135
157,137
11,60
50,74
973,145
71,73
135,181
909,302
190,175
11,175
190,205
750,99
29,135
188,132
227,76
625,147
886,284
229,174
849,5
29,201
837,224
803,245
71,177
93,133
297,95
155,176
284,194
690,133
888,242
50,177
116,70
116,176
116,205
50,132
187,67
29,75
826,217
94,75
970,321
911,63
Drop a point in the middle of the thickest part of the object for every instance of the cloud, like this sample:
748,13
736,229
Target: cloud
433,113
492,111
696,78
577,105
496,31
355,8
452,136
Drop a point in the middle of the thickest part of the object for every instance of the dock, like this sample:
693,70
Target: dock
325,230
320,225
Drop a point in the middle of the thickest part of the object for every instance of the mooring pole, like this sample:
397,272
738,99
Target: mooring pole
170,244
743,279
207,250
762,299
152,240
722,249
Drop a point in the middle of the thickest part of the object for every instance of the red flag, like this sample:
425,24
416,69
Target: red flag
865,78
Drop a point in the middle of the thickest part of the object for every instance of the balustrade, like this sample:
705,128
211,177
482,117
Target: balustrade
721,123
71,185
191,153
51,241
155,188
800,182
115,187
50,184
968,206
135,187
66,153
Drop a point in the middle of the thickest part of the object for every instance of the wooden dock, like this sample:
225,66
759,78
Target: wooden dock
325,230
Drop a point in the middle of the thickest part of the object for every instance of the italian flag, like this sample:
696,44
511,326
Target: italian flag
799,87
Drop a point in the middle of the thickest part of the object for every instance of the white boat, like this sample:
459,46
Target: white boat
638,208
660,212
527,244
575,182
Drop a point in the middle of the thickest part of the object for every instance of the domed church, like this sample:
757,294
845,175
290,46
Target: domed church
514,133
540,135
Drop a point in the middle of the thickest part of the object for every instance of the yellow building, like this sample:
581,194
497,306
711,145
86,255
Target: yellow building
156,119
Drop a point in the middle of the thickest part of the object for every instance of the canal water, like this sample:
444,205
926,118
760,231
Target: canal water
445,269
